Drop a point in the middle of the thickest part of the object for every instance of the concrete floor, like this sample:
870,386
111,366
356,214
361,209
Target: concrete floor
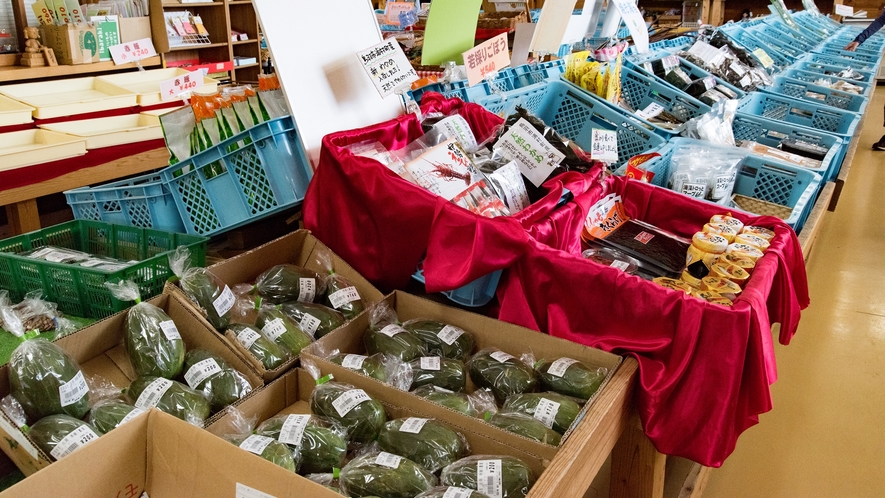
825,436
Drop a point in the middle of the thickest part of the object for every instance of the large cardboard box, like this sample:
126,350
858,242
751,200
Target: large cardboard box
487,332
99,349
298,248
164,457
71,43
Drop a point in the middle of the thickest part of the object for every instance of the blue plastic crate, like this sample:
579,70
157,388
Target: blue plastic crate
473,295
659,49
808,38
814,116
574,113
140,202
751,43
263,170
790,50
696,72
813,72
864,50
871,59
810,92
504,104
836,61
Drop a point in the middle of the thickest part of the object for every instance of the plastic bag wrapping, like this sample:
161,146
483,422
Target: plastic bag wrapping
362,416
152,340
108,414
441,339
205,289
61,435
318,444
315,319
493,475
553,410
570,377
501,372
219,382
851,74
46,381
101,389
705,171
716,125
33,313
279,328
246,304
452,491
374,150
261,348
386,335
426,441
340,294
384,474
267,447
382,367
169,396
437,371
327,479
283,283
4,297
14,410
476,404
526,426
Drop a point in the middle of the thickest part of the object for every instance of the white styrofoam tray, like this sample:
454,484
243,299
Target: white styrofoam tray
147,83
52,99
107,132
13,112
30,147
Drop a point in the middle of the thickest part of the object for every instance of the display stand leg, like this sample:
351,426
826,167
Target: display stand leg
637,467
23,216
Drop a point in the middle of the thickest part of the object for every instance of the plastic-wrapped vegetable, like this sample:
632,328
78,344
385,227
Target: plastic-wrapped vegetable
108,414
385,335
263,349
570,377
504,374
385,474
210,374
525,425
362,416
554,410
382,367
498,476
278,327
61,435
341,295
46,381
203,287
440,372
327,480
475,404
443,340
427,442
319,442
152,339
266,447
283,283
452,492
315,319
171,397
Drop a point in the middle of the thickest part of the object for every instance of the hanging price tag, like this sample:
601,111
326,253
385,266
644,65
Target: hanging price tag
604,145
133,51
174,88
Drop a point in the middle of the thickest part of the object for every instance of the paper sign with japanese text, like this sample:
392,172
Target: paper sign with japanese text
175,88
393,10
133,51
635,23
387,66
446,170
604,145
844,10
489,56
531,151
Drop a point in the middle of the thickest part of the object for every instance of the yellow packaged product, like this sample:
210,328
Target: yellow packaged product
759,232
735,223
733,259
721,229
712,297
753,240
691,279
672,283
731,272
695,254
709,242
744,250
719,285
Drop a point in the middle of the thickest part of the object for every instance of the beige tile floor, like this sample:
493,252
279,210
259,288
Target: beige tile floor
825,436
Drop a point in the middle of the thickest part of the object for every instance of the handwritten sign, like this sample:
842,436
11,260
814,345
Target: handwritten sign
604,145
387,66
174,88
844,10
133,51
394,9
530,150
485,58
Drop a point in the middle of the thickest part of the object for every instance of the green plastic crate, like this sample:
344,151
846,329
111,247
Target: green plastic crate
80,291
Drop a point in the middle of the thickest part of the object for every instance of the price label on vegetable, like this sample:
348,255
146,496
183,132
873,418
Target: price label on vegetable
531,151
764,58
387,67
179,86
487,57
604,145
133,51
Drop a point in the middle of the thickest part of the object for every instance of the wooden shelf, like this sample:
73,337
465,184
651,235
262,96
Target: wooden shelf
244,66
174,5
239,2
243,42
196,47
21,73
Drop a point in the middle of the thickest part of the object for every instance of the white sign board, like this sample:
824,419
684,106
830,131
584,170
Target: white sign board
133,51
174,88
844,10
604,145
635,23
388,66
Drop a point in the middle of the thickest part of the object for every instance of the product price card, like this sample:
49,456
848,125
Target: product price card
604,145
536,157
487,57
133,51
387,66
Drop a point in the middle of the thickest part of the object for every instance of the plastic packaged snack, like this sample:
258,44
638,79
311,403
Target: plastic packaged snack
340,295
266,447
494,475
261,348
386,335
283,283
169,396
440,372
705,171
108,414
553,410
61,435
319,444
570,377
503,373
152,340
205,289
441,339
385,474
525,425
278,327
362,416
379,366
427,442
315,319
209,373
46,381
612,257
475,404
37,314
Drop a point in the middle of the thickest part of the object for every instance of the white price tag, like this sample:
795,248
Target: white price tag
224,302
546,412
488,478
256,444
307,288
309,324
153,393
449,334
487,57
604,145
170,330
179,86
697,190
501,356
344,296
652,110
274,329
201,371
430,363
349,400
621,265
131,415
530,150
844,10
133,51
454,492
392,330
247,337
413,425
456,127
73,391
244,491
293,429
353,361
558,367
75,440
387,67
764,58
388,460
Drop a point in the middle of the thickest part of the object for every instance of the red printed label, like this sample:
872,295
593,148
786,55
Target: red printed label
644,237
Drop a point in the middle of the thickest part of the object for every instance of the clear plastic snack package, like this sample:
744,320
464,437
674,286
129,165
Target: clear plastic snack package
704,170
212,295
42,316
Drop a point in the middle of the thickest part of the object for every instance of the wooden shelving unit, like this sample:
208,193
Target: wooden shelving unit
20,73
219,18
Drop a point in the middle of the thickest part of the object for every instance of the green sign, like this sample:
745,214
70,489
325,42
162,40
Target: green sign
108,30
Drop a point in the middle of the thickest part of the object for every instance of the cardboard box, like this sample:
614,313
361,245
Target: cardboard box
99,349
72,43
134,28
487,332
164,457
298,248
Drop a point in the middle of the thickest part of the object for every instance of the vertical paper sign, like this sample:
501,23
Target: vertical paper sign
555,15
451,30
604,146
844,10
133,51
489,56
393,10
387,66
635,23
108,30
